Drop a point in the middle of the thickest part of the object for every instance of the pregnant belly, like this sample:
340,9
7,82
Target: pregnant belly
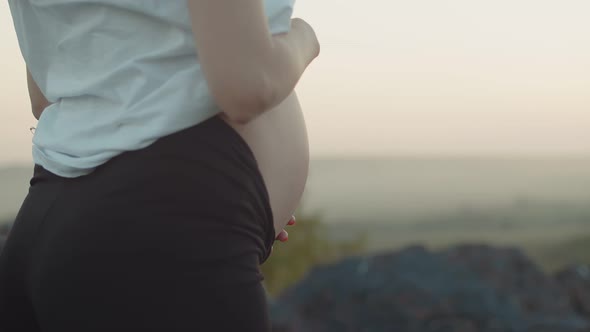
278,139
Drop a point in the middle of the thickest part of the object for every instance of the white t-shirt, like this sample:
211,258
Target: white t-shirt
120,75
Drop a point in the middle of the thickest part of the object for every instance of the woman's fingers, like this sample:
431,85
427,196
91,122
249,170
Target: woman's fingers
283,236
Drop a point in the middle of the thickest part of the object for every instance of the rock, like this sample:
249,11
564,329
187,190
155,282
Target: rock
463,289
576,281
508,270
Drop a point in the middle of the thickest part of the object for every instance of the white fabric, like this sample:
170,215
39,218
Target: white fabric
120,75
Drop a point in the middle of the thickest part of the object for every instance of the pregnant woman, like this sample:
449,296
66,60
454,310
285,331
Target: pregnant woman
169,153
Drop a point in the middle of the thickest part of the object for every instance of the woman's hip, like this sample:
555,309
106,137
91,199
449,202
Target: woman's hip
203,179
195,196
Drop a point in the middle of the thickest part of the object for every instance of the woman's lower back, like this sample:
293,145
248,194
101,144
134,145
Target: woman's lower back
278,139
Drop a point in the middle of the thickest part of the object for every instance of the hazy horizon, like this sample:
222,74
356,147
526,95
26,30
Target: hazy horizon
409,191
422,78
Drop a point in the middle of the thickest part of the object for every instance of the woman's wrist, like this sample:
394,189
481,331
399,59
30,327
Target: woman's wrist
308,42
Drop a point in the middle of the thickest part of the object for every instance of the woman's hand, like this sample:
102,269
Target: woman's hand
284,235
312,49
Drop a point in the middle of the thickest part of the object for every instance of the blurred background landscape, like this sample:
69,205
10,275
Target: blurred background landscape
449,186
539,204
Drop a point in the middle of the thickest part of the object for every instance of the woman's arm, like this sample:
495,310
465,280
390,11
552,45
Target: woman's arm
38,100
248,70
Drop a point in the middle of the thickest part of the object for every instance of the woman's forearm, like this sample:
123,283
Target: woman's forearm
293,52
248,71
280,68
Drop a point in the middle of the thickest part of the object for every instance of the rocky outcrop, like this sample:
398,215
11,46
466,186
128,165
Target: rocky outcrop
576,282
464,289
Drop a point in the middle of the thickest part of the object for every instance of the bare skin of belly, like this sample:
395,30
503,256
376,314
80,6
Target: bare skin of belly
278,139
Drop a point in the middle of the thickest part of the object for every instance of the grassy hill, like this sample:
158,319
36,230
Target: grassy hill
553,256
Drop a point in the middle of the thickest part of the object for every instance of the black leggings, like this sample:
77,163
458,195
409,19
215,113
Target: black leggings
166,238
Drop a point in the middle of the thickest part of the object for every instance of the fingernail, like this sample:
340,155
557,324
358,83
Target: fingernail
284,236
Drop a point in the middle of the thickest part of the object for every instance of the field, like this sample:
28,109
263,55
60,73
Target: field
539,205
553,247
414,190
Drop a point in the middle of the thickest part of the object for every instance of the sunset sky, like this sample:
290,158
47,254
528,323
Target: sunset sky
455,77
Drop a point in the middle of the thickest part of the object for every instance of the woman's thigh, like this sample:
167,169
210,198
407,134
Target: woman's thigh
107,269
130,293
16,308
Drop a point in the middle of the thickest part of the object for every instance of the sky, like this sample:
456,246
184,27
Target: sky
452,78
